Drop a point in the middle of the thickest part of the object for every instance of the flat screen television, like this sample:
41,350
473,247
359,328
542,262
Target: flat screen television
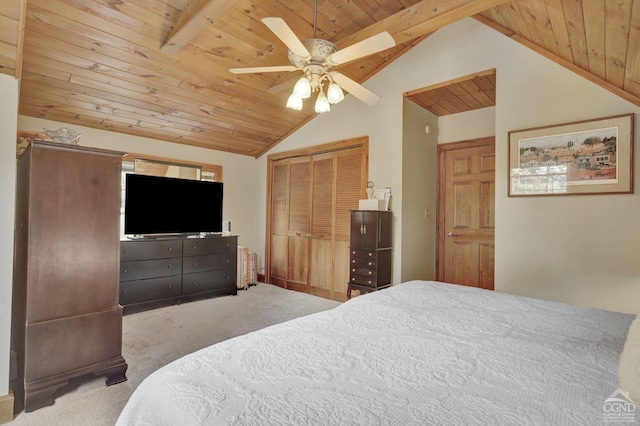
162,205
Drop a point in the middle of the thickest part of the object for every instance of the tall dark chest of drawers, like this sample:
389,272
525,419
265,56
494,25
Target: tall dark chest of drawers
160,272
370,250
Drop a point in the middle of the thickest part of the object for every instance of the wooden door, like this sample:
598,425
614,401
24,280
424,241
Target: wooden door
299,229
322,224
466,213
279,222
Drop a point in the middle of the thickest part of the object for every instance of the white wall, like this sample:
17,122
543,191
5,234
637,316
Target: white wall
240,189
579,249
463,126
8,127
419,182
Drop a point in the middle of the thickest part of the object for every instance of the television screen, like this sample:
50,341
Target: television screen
161,205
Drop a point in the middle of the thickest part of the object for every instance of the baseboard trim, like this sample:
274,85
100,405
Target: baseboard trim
6,408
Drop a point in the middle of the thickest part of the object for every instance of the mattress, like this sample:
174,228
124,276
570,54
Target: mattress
417,353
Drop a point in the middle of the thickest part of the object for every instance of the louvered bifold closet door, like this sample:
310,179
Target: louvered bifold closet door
322,224
279,222
299,232
351,175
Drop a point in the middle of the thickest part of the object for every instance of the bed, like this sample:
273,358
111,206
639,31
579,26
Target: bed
417,353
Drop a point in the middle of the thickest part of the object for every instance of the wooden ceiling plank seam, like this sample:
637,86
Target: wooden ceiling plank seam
345,24
628,96
457,104
632,73
53,7
391,6
618,24
494,14
519,25
9,29
543,22
195,18
574,18
108,19
536,29
92,61
429,101
8,51
353,12
560,31
153,23
594,23
168,11
9,9
464,95
476,93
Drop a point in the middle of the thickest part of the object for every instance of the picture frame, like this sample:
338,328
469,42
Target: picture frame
578,158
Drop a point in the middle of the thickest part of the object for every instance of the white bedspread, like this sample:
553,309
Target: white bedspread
419,353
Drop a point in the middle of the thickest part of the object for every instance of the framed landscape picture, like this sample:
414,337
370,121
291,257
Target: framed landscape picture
584,157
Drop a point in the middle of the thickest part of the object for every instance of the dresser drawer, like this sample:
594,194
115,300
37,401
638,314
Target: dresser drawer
200,246
369,281
142,269
207,281
138,250
366,271
361,262
151,289
208,262
363,254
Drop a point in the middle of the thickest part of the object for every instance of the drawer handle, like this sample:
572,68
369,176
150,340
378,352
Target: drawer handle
124,251
353,279
370,272
195,247
124,292
369,282
353,270
227,277
124,271
353,261
169,266
227,260
228,245
170,248
370,254
194,283
370,263
353,252
195,264
169,286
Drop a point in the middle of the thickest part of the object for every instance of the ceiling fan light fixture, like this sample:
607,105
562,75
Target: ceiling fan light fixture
294,102
334,93
322,104
302,89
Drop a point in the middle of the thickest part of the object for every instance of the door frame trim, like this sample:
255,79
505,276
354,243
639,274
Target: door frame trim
440,231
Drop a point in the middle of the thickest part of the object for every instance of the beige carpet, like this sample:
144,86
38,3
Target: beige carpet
154,338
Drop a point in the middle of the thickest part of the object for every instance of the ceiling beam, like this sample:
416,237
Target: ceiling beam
194,18
421,19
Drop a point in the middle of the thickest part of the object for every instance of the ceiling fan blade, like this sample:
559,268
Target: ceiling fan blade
368,46
285,85
355,88
286,35
250,70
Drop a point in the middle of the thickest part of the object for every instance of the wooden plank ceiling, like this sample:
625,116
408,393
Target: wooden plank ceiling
159,68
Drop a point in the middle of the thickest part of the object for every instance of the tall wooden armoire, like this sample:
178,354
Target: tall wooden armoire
66,320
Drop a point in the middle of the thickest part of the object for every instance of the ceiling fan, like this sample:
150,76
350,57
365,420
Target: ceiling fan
315,58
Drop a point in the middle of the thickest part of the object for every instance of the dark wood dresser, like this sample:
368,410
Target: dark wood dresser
66,320
163,271
370,250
